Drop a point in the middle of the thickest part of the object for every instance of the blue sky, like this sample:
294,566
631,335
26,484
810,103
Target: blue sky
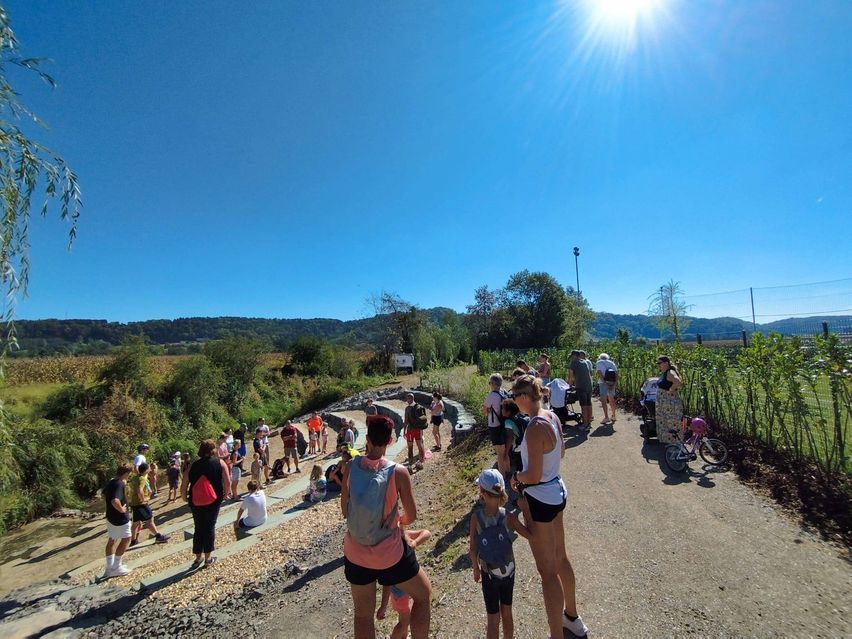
288,159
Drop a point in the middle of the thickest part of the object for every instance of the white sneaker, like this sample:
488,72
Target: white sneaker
576,627
118,571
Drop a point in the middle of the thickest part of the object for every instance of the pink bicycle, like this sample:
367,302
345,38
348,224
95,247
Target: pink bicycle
712,451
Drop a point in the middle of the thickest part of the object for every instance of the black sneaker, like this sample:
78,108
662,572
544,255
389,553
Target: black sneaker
161,539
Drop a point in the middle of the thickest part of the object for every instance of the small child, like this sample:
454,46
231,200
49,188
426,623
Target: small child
152,478
515,424
173,474
324,436
256,468
317,485
491,553
400,601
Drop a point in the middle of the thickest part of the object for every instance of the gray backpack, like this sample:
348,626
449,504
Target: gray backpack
494,544
365,518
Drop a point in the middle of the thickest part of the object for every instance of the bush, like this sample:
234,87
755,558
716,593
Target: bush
130,366
196,384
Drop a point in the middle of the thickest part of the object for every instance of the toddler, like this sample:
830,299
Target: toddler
256,467
317,485
400,601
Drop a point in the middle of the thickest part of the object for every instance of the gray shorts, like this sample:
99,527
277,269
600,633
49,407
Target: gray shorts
607,389
291,452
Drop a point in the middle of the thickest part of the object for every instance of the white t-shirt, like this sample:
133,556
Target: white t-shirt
493,401
264,430
139,459
349,437
604,365
254,505
558,387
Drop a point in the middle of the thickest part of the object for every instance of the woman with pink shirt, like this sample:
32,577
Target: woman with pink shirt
374,548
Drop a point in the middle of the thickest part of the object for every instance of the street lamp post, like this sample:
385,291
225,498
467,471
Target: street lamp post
577,269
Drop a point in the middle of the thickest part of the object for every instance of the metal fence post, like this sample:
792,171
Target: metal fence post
698,339
753,322
745,340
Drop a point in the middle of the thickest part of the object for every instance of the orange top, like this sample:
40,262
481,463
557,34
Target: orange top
388,551
315,423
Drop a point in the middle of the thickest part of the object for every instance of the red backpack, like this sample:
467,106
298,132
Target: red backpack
203,493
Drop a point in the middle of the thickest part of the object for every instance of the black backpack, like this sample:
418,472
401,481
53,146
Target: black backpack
497,414
522,421
610,375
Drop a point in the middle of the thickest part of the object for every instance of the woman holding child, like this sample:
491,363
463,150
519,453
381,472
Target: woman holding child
544,497
374,547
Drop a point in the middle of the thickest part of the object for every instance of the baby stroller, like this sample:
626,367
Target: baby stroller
562,399
648,400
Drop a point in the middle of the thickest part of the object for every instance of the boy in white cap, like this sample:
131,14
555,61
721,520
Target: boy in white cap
491,553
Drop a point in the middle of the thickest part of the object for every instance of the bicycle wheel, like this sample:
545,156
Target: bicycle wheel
713,451
673,458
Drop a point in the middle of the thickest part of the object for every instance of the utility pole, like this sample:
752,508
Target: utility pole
577,269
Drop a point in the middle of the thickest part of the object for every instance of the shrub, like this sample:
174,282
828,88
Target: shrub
131,366
196,384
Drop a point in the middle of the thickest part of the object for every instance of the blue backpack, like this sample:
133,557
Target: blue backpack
494,544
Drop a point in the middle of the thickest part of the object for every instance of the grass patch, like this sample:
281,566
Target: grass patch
22,401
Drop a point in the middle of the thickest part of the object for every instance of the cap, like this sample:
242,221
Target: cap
490,479
176,454
143,446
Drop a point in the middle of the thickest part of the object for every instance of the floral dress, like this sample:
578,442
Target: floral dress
669,412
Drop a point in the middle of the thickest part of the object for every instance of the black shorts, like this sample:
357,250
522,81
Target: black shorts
584,397
437,420
541,512
497,591
403,570
173,483
142,513
497,434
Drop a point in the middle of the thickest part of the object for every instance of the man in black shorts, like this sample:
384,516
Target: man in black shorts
581,378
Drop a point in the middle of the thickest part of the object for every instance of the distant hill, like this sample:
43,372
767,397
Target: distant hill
38,337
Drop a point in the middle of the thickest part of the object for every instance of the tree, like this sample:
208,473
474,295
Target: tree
536,305
577,316
27,170
131,365
238,358
668,309
311,355
399,323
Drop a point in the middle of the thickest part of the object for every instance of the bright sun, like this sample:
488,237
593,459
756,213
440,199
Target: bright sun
624,10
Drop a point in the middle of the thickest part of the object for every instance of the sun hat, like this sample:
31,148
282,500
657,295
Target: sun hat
489,479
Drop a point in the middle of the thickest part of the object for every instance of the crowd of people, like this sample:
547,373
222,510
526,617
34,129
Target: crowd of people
524,495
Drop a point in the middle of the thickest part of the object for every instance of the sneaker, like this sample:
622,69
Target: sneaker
134,542
161,539
118,571
298,470
576,627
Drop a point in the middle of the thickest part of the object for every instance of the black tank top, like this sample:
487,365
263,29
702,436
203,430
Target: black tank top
664,382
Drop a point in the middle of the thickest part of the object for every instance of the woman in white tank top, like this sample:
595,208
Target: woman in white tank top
545,496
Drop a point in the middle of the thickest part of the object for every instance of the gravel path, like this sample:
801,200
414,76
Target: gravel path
655,555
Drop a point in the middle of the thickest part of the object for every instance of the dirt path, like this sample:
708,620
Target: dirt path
655,555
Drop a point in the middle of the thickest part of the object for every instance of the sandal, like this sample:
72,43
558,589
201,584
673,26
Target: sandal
196,564
210,561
